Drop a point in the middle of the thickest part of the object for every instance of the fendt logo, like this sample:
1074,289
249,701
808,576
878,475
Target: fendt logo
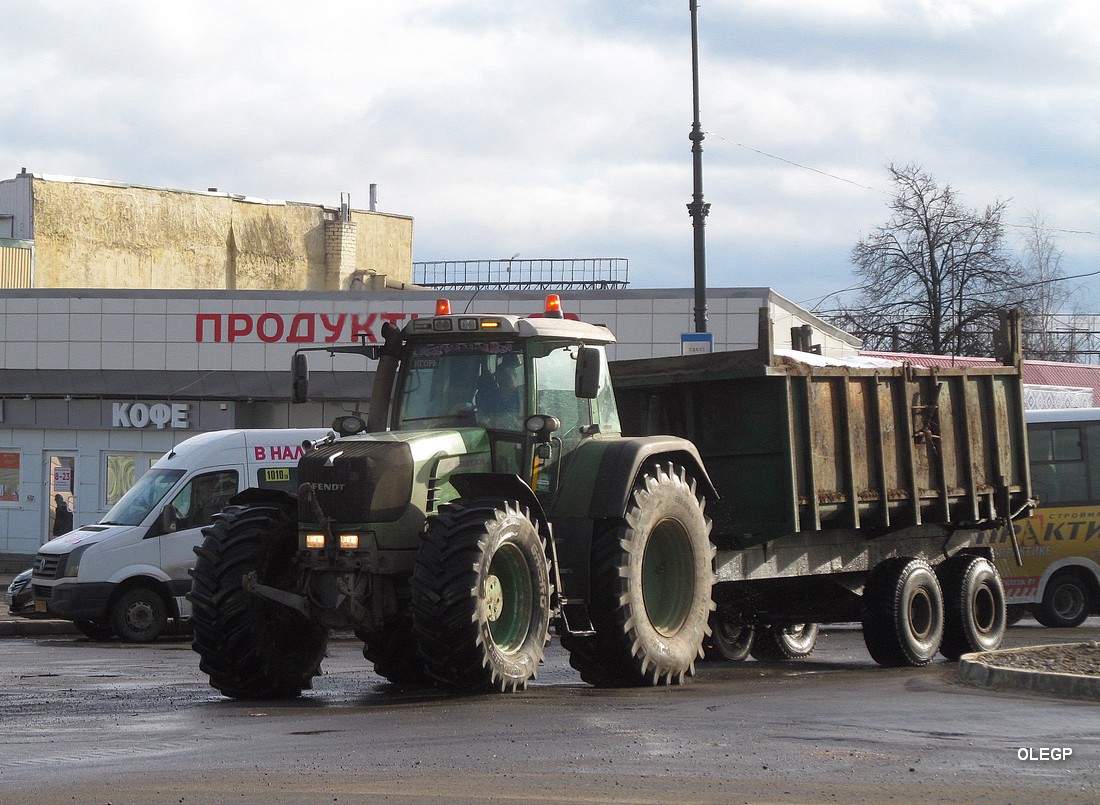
329,487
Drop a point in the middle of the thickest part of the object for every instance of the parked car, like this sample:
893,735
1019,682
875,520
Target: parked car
19,596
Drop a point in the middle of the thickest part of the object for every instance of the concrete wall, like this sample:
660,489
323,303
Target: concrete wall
111,235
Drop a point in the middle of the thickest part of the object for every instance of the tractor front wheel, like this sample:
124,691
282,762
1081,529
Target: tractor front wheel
250,647
481,597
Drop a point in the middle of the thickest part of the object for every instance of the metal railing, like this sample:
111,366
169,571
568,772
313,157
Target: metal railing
589,273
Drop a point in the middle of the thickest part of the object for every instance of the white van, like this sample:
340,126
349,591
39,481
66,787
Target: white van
127,574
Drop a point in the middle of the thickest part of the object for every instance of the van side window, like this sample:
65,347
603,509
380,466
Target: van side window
203,497
1059,471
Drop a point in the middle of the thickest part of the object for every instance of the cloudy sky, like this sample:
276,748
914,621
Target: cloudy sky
559,129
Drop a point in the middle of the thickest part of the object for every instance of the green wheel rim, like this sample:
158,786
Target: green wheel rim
509,598
668,577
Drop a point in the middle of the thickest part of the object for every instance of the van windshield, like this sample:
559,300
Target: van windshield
144,496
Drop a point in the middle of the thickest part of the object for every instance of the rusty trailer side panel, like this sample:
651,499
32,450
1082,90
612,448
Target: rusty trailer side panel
800,446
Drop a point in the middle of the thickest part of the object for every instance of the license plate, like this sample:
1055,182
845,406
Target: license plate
40,606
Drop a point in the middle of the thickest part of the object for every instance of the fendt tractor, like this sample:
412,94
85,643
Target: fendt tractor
493,495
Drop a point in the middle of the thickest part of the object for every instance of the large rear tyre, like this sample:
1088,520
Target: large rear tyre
790,641
481,597
652,575
1066,601
902,613
250,647
974,616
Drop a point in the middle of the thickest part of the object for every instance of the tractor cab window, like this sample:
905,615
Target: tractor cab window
463,384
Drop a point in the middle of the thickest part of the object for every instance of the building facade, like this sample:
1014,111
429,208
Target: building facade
95,385
68,232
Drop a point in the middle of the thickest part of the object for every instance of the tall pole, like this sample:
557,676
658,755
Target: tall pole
698,209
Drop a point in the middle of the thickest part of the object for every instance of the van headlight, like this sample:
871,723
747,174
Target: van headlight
72,564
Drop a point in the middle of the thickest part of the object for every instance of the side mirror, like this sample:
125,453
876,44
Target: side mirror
299,371
590,368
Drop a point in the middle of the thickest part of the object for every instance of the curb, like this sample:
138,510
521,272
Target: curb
991,670
31,627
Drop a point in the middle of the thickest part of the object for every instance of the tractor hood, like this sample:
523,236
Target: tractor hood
376,478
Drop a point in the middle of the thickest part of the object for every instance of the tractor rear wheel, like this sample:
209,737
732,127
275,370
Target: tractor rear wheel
250,647
481,597
652,575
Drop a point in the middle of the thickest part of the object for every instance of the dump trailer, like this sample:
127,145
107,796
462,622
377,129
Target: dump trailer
492,497
848,490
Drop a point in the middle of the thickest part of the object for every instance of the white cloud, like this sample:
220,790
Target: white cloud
561,129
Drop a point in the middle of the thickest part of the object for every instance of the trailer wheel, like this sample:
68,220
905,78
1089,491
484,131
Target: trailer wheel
1065,602
481,597
95,630
729,639
792,641
252,648
973,603
138,615
902,612
651,586
393,652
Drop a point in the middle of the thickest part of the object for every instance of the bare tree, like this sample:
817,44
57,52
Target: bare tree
1047,335
934,277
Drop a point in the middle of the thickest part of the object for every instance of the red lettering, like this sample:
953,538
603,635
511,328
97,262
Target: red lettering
204,318
240,325
262,328
333,328
260,453
296,324
360,327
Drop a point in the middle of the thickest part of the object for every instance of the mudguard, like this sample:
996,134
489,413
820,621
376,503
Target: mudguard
596,488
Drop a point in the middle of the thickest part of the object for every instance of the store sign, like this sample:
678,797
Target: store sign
159,415
299,328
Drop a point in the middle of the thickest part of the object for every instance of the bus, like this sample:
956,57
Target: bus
1056,577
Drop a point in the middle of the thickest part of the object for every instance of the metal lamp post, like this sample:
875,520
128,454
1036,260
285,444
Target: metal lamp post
698,209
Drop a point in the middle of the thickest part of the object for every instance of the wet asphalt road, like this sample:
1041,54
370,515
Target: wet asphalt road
113,723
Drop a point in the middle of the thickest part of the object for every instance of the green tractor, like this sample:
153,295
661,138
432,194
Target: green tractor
488,498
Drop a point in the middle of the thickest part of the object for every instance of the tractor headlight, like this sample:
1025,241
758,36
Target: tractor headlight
315,541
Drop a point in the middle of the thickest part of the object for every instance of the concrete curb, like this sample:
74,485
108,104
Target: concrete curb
15,626
991,669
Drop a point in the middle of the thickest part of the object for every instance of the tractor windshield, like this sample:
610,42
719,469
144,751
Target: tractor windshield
475,383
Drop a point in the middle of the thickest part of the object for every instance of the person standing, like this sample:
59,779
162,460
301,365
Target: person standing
63,518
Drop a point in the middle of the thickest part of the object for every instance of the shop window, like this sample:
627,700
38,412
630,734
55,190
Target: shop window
9,476
120,473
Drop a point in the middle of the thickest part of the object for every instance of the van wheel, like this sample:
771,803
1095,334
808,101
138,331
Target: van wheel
139,615
250,647
1065,602
652,574
95,630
